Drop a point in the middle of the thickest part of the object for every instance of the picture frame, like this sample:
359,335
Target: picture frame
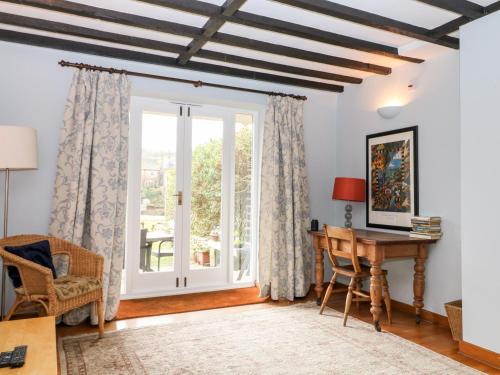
392,178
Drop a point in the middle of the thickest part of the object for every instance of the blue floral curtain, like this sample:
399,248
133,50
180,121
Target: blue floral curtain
285,254
89,203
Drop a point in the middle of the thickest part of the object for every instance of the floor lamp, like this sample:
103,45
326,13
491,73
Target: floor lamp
18,151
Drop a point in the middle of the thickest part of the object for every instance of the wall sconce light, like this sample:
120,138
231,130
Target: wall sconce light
390,111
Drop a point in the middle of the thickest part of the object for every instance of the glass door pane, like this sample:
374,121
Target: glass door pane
154,215
206,192
158,192
190,212
243,183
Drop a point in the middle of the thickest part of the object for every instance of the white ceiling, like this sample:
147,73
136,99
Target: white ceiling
409,11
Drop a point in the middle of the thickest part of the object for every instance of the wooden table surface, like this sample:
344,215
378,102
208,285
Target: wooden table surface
373,237
40,336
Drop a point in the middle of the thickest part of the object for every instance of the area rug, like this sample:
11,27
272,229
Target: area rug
261,340
138,308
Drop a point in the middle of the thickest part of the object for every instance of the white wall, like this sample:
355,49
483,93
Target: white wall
434,107
33,90
480,104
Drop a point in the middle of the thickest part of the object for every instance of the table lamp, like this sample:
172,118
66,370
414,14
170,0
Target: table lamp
350,190
18,151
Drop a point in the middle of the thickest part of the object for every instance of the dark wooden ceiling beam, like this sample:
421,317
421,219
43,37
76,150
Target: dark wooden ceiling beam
284,27
118,53
463,7
455,24
190,31
449,27
254,63
109,15
469,11
493,7
310,33
372,20
199,7
63,28
210,28
69,29
238,41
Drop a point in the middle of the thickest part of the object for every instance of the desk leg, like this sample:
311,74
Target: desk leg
376,293
419,281
320,272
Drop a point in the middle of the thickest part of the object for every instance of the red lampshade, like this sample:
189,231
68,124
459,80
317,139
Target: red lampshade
349,189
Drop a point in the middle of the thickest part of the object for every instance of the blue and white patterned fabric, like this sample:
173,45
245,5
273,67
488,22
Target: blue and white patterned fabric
89,203
285,254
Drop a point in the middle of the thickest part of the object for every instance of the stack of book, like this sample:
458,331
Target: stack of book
428,227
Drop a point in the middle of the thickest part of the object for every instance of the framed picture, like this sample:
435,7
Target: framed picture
392,178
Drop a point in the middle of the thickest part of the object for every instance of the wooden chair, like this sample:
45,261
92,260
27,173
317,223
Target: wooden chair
81,286
342,244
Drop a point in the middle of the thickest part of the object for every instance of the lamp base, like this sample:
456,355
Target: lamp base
348,215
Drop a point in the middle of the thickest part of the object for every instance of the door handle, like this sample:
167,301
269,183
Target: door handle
179,197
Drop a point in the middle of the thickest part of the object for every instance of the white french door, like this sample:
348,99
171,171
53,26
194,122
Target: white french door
191,205
153,213
206,188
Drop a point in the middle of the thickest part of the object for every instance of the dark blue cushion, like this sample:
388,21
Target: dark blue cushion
38,252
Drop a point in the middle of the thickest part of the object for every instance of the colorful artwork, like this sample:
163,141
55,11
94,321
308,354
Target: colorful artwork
392,178
390,169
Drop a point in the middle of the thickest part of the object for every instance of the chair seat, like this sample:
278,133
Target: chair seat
348,270
70,286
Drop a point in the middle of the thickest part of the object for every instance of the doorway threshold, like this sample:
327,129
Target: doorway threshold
181,291
187,302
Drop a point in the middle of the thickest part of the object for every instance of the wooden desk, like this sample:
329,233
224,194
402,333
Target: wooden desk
377,247
40,336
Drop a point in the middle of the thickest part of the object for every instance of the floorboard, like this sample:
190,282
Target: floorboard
136,308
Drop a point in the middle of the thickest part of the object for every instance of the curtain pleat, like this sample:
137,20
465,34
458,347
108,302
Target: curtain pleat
285,253
89,204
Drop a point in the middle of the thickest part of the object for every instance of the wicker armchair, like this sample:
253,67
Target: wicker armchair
81,286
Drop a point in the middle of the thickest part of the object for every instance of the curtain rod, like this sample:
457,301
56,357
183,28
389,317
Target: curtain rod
173,79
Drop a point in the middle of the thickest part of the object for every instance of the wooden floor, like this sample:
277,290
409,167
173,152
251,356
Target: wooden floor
136,308
429,335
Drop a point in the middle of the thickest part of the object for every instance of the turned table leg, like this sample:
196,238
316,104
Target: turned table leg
320,271
419,281
376,293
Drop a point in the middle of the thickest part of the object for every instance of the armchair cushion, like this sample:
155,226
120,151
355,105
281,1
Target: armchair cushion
69,286
38,252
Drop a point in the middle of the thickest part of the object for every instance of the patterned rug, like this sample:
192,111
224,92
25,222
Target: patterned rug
271,340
